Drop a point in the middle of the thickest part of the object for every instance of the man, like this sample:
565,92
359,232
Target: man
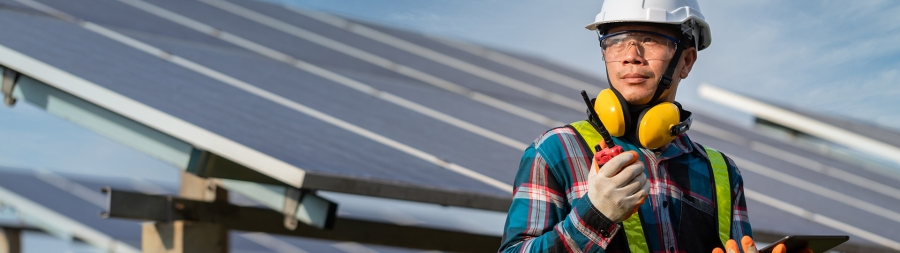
688,198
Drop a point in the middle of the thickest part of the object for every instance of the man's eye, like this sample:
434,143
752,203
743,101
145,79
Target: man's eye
649,41
614,43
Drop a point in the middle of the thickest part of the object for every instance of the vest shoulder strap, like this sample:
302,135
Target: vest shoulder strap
587,132
723,192
634,231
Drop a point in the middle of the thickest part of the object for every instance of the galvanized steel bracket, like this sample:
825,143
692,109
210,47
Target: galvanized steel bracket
8,84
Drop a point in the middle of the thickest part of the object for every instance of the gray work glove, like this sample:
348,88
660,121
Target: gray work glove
617,195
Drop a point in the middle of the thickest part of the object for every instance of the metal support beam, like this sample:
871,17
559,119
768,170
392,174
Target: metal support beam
123,204
405,191
131,205
209,165
310,208
10,240
205,164
175,235
292,197
7,86
102,121
184,236
202,189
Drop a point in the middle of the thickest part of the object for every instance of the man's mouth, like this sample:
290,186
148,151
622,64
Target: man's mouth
635,78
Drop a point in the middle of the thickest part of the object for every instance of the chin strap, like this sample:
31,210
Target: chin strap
665,82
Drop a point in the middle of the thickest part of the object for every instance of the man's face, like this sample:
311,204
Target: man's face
636,76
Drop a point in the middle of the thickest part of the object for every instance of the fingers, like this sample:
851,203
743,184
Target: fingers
630,172
634,157
646,187
780,248
731,247
749,245
718,250
613,165
635,199
642,178
633,186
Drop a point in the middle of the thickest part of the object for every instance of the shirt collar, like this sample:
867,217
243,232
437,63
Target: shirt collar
680,145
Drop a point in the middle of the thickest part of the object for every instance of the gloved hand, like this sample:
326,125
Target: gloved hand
618,194
750,247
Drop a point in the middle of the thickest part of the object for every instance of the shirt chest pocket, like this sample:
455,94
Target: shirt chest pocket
695,220
698,228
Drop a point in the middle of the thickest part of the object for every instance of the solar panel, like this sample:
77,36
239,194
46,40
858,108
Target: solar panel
250,120
330,108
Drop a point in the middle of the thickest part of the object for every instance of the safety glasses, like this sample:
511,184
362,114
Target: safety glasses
618,46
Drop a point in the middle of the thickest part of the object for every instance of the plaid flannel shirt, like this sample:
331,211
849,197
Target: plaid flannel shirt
550,212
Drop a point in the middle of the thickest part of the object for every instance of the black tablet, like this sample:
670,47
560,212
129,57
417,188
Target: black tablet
818,243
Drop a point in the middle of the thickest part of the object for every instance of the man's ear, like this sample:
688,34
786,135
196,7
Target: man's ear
687,58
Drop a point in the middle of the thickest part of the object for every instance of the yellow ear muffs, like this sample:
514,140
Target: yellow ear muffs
612,112
654,128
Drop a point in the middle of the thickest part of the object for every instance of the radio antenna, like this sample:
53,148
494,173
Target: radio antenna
595,121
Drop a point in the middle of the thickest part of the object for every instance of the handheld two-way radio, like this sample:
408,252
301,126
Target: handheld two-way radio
607,149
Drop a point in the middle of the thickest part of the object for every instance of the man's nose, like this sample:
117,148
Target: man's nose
633,54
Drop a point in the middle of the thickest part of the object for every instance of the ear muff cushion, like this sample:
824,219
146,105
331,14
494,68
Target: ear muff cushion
611,112
626,111
653,128
637,129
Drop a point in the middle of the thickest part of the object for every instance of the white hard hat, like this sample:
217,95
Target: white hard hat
673,12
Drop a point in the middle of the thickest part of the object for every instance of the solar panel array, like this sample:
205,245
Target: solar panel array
331,98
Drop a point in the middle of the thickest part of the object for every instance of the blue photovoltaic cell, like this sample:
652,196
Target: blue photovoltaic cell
270,128
34,189
319,147
326,57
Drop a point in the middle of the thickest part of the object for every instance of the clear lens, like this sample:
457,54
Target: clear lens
629,44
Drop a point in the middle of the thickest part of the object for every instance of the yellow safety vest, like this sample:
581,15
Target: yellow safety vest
634,231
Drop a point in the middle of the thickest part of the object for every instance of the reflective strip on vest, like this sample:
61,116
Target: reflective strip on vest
634,230
723,192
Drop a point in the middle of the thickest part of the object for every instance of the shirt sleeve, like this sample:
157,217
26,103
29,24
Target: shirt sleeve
740,221
540,218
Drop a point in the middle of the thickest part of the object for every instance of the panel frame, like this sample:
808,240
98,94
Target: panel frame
175,141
